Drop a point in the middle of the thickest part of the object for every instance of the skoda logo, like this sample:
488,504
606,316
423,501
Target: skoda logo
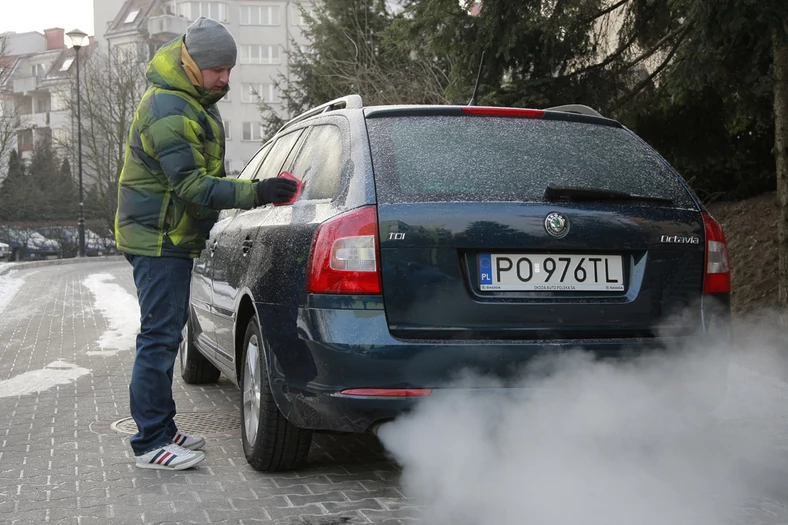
556,224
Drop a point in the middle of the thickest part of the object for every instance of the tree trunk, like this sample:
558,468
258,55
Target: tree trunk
780,45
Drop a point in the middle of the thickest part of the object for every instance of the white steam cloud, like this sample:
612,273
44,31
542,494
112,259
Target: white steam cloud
655,441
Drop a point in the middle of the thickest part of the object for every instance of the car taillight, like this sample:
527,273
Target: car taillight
388,392
344,256
503,112
717,277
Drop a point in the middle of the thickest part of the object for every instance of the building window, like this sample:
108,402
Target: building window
257,92
227,134
257,15
259,54
24,105
129,54
42,103
66,64
194,10
131,16
24,140
252,131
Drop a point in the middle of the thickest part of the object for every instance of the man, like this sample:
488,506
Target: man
169,195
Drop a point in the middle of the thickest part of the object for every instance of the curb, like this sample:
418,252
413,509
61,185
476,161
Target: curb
8,266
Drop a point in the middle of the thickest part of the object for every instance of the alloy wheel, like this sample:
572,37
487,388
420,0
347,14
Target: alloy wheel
251,390
183,351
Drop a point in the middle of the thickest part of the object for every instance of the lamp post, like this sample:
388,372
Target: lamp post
77,41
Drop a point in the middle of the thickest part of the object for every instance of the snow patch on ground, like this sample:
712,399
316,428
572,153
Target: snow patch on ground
121,311
55,373
9,286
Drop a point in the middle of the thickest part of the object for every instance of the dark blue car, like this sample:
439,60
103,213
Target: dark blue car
428,240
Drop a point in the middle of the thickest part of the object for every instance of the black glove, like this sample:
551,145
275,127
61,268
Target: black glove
275,190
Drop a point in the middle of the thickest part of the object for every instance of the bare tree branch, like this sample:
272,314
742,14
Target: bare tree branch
657,70
607,10
110,90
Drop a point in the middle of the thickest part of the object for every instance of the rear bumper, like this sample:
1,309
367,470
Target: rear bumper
346,344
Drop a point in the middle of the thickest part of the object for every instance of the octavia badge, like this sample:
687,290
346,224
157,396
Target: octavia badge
556,224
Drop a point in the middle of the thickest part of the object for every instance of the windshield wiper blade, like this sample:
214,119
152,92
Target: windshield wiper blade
566,193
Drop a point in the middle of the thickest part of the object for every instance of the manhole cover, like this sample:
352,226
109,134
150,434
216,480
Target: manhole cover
201,423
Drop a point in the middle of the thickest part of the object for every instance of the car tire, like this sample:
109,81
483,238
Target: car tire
271,443
195,367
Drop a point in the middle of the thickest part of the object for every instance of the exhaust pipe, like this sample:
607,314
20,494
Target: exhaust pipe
376,426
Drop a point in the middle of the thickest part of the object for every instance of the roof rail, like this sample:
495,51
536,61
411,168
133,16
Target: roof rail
577,108
346,102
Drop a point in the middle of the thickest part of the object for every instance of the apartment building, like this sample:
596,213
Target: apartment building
263,29
36,71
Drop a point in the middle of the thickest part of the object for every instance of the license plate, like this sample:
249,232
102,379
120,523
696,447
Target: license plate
549,272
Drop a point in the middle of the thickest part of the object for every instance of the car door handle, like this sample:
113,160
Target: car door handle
246,246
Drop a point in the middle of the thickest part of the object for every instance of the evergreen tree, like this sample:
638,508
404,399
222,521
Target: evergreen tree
720,113
352,50
64,186
42,179
16,196
706,83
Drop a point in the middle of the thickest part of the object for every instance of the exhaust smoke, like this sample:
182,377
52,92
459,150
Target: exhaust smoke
653,441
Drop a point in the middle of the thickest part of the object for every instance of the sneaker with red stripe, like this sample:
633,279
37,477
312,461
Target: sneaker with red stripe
170,457
187,441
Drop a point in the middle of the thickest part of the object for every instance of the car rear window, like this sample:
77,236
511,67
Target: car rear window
471,158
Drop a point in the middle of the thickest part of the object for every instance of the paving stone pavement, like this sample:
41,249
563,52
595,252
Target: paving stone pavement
64,431
63,461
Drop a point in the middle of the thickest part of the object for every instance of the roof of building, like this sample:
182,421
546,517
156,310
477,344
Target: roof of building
59,64
63,66
133,16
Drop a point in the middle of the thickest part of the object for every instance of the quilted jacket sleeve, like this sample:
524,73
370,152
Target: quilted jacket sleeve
176,142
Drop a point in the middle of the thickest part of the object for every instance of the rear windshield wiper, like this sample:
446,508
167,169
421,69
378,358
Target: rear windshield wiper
558,193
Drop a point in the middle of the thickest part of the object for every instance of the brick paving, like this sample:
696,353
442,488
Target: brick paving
64,454
62,461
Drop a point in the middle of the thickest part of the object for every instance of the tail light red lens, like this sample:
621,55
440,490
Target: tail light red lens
345,255
717,278
503,112
388,392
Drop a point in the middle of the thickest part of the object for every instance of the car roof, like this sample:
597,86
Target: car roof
568,112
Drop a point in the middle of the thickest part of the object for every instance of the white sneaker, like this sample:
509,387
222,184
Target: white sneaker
187,441
170,457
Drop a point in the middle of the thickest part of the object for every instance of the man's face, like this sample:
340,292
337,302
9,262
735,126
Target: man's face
216,78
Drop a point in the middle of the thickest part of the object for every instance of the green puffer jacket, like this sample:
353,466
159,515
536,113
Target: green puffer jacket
172,185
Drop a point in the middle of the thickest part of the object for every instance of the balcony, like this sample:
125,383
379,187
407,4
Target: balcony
166,27
34,120
25,84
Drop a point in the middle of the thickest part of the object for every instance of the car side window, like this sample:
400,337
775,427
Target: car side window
281,148
248,173
319,163
250,170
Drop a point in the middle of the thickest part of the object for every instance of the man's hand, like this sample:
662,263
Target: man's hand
275,190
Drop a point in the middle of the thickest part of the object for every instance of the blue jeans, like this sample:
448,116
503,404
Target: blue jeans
163,285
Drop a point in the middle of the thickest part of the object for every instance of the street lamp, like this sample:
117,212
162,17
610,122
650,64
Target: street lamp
78,39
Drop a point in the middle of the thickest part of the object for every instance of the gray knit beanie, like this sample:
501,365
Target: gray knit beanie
210,44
